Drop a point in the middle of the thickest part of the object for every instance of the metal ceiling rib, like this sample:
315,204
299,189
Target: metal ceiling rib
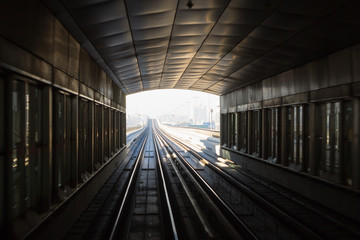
272,36
216,46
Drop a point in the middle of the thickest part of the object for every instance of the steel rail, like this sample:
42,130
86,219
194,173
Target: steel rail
165,191
130,186
207,227
212,197
286,219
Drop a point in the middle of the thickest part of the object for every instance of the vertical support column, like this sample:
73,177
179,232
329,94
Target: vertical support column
222,129
238,130
279,132
284,159
8,152
260,154
124,128
355,143
75,140
2,149
332,137
92,135
47,146
249,133
265,138
102,134
229,117
312,138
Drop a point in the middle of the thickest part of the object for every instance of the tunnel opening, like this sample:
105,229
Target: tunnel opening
173,107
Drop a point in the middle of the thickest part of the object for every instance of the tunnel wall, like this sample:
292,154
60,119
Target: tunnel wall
300,129
62,123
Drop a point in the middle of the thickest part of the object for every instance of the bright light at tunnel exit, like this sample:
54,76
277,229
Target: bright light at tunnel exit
174,107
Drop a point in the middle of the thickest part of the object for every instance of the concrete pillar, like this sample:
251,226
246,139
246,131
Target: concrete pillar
355,143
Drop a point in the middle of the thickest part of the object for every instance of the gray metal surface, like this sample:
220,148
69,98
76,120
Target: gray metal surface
216,46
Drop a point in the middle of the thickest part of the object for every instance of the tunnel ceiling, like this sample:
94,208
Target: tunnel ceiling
216,46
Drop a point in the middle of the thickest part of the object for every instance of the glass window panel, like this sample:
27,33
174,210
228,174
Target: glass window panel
69,173
106,133
236,137
98,134
336,147
18,142
327,146
347,141
59,138
36,144
273,128
290,133
27,179
2,144
256,122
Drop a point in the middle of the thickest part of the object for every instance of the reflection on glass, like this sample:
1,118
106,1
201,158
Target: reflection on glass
17,113
236,130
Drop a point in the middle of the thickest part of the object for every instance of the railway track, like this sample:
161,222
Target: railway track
145,211
164,189
153,195
305,219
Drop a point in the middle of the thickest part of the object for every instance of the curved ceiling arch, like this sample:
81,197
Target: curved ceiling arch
215,46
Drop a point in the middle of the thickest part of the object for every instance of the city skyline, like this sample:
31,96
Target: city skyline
173,106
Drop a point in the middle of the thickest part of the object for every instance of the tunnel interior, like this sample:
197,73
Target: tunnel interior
286,73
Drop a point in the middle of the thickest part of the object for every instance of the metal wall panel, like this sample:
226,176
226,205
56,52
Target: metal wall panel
100,80
223,101
276,86
242,108
355,62
63,80
267,88
123,100
74,57
86,91
108,89
301,79
86,69
287,82
97,96
355,89
28,24
274,102
295,99
233,99
255,92
61,46
331,93
41,30
242,96
18,58
340,67
254,105
116,94
318,74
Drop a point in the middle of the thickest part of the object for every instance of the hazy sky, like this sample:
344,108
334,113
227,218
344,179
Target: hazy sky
169,101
